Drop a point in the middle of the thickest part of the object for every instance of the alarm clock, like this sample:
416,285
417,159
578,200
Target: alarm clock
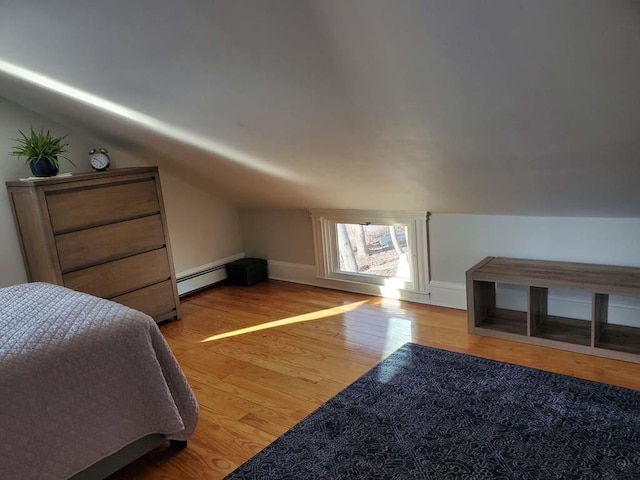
99,159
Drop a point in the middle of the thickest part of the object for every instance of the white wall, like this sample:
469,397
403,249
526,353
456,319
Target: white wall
504,106
13,118
202,228
457,242
280,235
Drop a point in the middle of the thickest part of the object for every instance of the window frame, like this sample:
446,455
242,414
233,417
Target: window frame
327,255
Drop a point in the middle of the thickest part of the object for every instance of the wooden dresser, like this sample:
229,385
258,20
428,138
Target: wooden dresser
103,233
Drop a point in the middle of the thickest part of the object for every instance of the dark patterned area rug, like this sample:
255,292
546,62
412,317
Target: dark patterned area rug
425,413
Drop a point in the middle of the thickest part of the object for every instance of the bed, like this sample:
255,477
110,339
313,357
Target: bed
83,381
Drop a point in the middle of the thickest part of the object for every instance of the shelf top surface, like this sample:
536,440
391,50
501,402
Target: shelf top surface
597,278
79,176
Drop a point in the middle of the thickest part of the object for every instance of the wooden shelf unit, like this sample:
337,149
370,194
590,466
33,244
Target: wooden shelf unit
595,336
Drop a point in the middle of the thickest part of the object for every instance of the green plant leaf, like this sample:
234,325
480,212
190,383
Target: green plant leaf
37,145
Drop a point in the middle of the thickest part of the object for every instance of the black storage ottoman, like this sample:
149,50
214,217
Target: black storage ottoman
247,271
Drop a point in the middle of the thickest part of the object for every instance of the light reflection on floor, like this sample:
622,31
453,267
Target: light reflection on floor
398,330
328,312
362,329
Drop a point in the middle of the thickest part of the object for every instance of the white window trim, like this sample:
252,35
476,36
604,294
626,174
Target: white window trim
326,249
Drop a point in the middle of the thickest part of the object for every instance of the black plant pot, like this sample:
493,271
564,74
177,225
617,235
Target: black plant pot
42,167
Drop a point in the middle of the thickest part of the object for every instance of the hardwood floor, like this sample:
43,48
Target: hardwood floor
260,359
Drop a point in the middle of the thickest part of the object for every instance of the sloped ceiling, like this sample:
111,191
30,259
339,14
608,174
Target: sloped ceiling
502,106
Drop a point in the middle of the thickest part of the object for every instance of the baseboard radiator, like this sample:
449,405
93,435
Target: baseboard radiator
199,280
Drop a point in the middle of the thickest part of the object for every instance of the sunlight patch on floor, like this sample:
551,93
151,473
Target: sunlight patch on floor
399,331
329,312
394,329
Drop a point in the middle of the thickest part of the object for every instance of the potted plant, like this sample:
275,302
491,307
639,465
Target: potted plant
42,151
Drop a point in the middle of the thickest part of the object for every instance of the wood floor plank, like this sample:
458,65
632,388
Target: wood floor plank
254,385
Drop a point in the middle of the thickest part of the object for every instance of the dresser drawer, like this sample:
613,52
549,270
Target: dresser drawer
121,276
108,242
103,233
154,300
86,207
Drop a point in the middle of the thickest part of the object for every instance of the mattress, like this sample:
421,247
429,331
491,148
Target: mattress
80,378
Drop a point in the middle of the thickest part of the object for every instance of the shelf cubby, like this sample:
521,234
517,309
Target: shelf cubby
539,325
564,329
609,336
505,320
490,315
554,327
620,338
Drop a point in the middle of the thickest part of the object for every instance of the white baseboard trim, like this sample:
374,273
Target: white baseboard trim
454,295
293,272
448,294
205,275
306,274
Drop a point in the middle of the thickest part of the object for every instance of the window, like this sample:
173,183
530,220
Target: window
372,247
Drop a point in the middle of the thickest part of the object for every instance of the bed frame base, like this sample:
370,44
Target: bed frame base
178,444
125,456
